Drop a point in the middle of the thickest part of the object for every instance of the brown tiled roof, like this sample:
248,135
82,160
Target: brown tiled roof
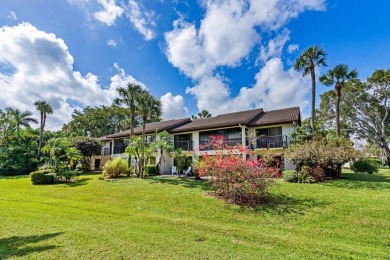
280,116
153,127
224,120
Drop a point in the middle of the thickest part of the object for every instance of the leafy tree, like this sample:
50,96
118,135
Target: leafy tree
56,149
22,118
44,108
181,159
164,143
73,155
327,153
129,97
306,62
338,76
148,107
369,109
134,149
88,146
201,115
97,121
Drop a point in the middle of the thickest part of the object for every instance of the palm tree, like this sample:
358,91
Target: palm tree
306,62
148,107
44,108
164,143
56,149
203,114
338,76
129,97
21,118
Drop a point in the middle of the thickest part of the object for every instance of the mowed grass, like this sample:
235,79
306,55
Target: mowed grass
171,218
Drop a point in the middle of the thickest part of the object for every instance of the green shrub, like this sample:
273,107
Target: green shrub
68,175
115,168
362,166
16,171
42,177
47,167
290,176
150,170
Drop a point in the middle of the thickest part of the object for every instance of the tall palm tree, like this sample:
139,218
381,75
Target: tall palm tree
306,62
148,107
21,118
203,114
129,97
338,76
44,108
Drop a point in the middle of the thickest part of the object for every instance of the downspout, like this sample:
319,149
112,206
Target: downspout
243,141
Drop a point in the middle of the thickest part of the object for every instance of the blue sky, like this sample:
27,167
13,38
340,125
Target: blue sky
217,55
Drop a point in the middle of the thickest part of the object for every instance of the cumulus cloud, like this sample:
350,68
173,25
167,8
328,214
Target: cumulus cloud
110,12
12,16
142,20
173,107
42,69
274,47
226,35
111,42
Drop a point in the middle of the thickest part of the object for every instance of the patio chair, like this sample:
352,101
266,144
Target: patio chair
188,171
173,170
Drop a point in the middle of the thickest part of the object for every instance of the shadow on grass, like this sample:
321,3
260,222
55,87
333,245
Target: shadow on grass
16,177
280,204
81,182
361,181
19,246
187,183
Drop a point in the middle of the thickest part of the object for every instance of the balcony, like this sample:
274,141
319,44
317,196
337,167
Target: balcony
266,142
184,145
227,142
105,151
119,149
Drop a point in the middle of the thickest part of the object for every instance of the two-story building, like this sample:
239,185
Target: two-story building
265,132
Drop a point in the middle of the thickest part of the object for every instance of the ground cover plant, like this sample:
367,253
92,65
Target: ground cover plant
171,218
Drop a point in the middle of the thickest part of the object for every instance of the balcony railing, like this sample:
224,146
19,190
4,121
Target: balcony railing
279,141
119,149
203,145
106,151
184,145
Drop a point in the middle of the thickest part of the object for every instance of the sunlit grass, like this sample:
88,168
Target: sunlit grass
168,218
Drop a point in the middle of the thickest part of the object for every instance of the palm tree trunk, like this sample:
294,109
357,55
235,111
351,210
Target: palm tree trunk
40,137
313,99
338,96
143,149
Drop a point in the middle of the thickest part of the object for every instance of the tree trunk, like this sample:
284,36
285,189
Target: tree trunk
143,149
338,97
41,135
313,98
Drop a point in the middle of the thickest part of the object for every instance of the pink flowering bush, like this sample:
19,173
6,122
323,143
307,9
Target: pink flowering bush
235,180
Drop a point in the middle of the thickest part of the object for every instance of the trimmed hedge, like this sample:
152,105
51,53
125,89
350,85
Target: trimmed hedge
42,177
150,170
14,172
364,166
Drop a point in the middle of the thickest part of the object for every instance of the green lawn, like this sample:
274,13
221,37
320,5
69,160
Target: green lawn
168,218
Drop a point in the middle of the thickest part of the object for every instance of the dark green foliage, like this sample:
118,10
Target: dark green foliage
362,166
98,121
290,176
42,177
88,146
150,170
68,175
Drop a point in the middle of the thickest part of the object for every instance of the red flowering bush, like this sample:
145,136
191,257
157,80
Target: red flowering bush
243,182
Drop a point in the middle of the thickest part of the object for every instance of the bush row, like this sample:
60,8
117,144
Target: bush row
42,177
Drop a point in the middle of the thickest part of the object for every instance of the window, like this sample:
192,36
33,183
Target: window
272,131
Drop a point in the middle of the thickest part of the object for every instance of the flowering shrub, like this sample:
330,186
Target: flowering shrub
235,180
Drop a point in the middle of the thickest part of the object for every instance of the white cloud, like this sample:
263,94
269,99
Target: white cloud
110,12
111,42
12,16
173,107
142,20
274,47
43,70
79,3
292,48
275,88
226,35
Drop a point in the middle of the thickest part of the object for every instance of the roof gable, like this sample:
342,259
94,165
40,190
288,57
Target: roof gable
279,116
